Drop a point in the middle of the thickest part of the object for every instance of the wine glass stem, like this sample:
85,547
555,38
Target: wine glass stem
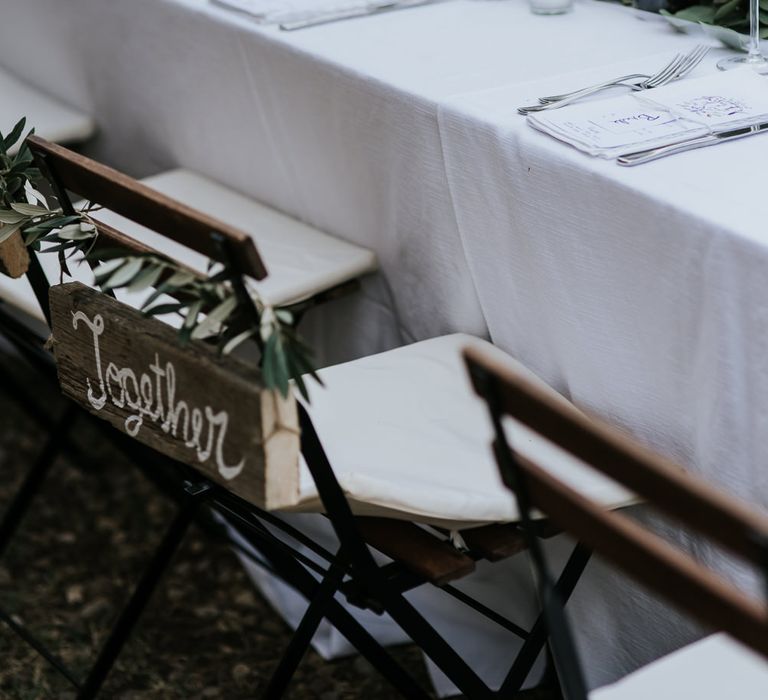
754,32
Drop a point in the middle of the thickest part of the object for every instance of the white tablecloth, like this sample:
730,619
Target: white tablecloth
636,292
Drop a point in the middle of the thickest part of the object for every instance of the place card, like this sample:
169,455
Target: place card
652,118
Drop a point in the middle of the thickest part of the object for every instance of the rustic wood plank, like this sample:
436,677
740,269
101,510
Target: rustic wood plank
14,258
188,403
618,456
651,560
140,203
427,556
494,542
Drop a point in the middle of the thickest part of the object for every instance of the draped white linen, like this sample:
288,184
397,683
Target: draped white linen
635,292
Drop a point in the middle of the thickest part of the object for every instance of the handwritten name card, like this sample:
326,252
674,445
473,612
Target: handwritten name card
651,118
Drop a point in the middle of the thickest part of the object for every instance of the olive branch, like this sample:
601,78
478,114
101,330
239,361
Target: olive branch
733,14
208,305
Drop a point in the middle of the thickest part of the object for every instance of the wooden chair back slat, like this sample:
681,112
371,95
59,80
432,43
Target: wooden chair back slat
654,478
663,485
143,205
650,560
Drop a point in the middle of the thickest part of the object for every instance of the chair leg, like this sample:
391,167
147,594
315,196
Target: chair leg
374,653
139,599
35,478
304,632
295,575
533,646
435,647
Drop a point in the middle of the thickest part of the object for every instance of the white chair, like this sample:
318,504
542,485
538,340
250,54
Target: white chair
715,668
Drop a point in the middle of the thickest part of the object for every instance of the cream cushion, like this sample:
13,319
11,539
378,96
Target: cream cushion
301,261
52,119
18,294
408,438
715,668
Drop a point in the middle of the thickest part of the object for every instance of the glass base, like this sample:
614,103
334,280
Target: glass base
757,63
551,7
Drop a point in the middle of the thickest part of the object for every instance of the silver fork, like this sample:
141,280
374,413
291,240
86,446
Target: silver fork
646,80
685,63
678,67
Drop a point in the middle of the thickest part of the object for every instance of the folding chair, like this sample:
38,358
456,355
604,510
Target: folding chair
717,667
206,236
394,454
307,267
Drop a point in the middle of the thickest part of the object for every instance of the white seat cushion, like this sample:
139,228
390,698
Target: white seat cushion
52,119
301,260
18,294
715,668
408,438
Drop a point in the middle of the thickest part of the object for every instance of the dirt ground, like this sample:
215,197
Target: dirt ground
207,633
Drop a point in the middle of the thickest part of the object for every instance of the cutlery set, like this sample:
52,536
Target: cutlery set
680,66
677,68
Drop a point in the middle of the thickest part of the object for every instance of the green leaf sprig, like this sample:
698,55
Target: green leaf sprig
208,305
211,310
733,14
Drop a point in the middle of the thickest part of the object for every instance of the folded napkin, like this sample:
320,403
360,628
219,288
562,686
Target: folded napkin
652,118
283,11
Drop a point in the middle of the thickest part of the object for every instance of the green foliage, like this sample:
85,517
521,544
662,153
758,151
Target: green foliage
15,170
24,208
733,14
214,307
211,310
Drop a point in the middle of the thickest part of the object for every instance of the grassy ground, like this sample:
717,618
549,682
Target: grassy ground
207,633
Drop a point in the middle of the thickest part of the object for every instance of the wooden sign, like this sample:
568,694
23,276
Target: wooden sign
186,402
14,258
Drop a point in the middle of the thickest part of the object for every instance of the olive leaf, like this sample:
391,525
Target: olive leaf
29,209
8,230
11,217
124,274
215,318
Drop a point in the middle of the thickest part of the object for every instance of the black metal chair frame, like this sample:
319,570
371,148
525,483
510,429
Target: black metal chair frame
351,570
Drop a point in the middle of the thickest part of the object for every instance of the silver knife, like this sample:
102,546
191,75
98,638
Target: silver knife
650,154
336,16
